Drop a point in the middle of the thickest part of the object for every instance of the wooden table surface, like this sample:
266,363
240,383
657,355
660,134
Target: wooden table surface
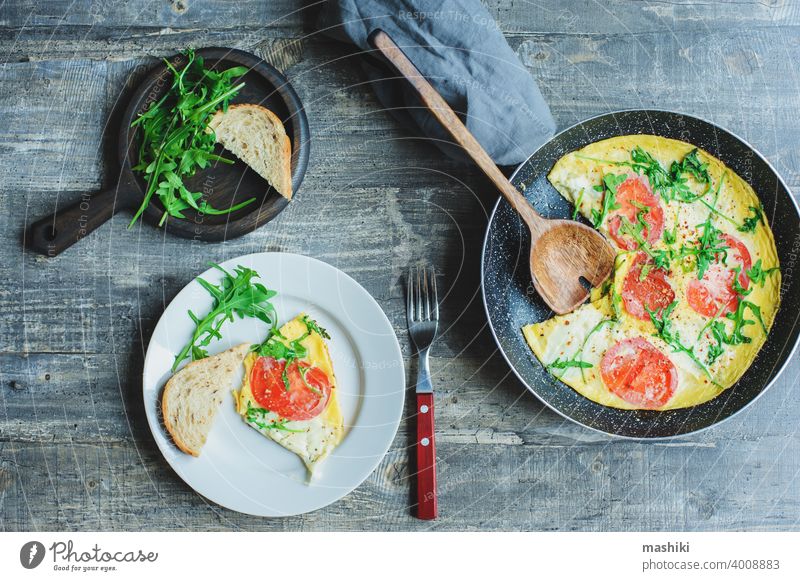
75,449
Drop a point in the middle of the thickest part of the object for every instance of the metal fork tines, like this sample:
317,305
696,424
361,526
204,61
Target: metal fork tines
422,311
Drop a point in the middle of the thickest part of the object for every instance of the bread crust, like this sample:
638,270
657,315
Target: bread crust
173,429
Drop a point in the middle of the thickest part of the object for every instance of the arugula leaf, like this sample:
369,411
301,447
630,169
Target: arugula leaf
670,236
559,364
711,246
645,163
607,284
609,187
662,258
758,275
644,271
174,142
303,372
578,203
740,322
672,185
737,336
715,350
670,336
312,325
737,286
750,223
236,294
616,305
258,416
692,165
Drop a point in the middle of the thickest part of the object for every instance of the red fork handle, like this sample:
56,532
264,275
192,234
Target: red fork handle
426,458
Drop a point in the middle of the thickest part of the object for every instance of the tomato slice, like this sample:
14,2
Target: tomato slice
639,373
713,294
303,400
636,189
654,292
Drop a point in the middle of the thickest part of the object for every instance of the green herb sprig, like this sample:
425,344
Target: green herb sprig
710,248
671,236
258,417
672,337
672,185
174,142
715,350
661,257
740,322
236,294
569,363
609,189
750,223
692,165
578,203
758,274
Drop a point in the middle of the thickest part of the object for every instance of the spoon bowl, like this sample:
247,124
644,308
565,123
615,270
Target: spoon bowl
567,258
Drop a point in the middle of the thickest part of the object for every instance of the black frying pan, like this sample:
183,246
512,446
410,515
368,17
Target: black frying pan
223,185
511,301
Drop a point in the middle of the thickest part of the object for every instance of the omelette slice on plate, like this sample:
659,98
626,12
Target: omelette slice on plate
289,390
696,281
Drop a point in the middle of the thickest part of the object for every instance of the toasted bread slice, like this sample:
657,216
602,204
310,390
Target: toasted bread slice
255,135
193,395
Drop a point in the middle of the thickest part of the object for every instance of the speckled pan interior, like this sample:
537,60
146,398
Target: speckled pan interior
511,301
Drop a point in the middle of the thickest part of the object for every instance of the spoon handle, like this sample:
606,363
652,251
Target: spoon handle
448,118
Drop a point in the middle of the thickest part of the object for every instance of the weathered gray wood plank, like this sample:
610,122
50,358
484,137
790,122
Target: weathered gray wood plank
584,16
150,13
505,462
75,448
626,486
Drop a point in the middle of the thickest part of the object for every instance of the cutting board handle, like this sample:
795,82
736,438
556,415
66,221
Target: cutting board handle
53,234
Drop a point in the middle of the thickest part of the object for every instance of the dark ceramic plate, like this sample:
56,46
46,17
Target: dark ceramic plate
511,302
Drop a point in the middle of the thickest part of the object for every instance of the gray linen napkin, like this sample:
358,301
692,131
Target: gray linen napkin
459,48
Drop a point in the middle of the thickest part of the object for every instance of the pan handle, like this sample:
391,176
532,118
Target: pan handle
53,234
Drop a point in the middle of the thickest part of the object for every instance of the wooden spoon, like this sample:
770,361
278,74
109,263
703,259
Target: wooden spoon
562,251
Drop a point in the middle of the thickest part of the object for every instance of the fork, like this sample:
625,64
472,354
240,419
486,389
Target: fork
422,311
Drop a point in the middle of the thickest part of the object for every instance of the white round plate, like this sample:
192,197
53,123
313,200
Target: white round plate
238,467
